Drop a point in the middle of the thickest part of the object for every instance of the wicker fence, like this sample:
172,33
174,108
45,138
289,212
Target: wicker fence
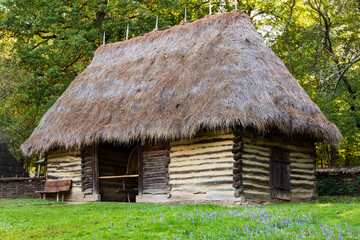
20,187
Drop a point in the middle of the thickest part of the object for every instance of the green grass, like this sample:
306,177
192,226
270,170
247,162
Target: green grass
40,219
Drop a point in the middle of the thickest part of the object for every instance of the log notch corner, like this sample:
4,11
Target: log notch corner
87,176
87,171
238,148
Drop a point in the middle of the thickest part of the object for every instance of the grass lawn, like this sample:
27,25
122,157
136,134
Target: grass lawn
41,219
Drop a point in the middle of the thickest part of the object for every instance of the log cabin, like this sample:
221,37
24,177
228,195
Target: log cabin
202,111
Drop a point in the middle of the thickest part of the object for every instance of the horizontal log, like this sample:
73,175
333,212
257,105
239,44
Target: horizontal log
237,177
155,168
120,176
254,166
237,184
156,153
156,185
86,164
188,189
237,139
259,173
237,170
237,156
303,172
200,170
157,158
157,147
303,178
155,174
85,178
52,171
61,153
203,139
156,191
155,180
254,159
205,183
238,163
256,181
257,188
202,164
267,144
258,197
195,177
206,153
87,186
302,185
200,147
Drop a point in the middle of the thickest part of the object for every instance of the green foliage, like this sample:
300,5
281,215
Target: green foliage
340,187
45,44
327,187
338,199
39,219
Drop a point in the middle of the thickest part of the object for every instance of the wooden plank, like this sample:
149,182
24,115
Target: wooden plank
195,163
206,152
202,170
120,176
192,147
215,137
141,170
186,159
155,153
96,189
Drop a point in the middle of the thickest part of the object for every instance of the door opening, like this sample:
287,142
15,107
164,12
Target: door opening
118,172
280,174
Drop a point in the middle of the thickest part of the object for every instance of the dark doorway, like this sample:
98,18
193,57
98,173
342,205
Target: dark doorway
279,174
118,172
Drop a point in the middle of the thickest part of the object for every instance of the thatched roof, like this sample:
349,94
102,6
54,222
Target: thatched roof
215,72
9,166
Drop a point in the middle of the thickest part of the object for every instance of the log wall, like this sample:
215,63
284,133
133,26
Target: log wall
202,168
155,177
87,171
256,163
20,187
66,164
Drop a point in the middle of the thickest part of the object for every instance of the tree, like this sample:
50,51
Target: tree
45,44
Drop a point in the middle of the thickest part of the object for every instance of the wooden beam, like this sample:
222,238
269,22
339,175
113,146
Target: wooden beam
120,176
95,169
141,169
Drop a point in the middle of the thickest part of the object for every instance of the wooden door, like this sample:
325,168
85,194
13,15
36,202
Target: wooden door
280,174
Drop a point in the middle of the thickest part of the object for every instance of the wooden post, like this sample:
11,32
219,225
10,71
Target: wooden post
127,32
210,8
95,169
141,168
185,15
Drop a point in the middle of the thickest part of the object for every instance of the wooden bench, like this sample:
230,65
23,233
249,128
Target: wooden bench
58,186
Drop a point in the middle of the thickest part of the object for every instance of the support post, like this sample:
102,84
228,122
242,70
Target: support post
141,169
95,169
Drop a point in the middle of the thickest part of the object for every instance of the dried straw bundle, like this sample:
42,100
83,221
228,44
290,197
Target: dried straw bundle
213,73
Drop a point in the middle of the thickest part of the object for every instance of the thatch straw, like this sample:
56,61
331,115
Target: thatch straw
212,73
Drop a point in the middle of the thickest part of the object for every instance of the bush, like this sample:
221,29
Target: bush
330,187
